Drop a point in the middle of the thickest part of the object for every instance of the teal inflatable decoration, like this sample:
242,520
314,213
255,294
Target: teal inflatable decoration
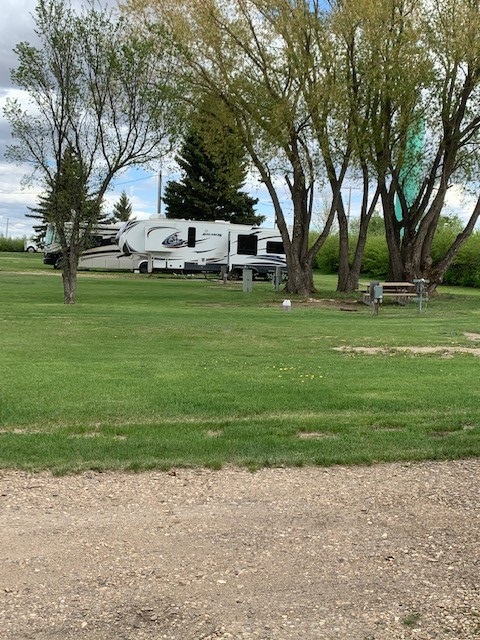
411,173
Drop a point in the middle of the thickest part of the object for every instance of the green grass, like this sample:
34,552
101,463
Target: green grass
149,372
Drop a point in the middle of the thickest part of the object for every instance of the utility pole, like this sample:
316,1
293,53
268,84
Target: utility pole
159,195
349,203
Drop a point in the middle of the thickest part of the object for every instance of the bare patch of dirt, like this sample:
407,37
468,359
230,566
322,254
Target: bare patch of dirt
444,351
472,336
314,435
387,552
214,433
331,303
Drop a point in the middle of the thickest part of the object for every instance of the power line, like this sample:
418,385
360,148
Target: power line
119,184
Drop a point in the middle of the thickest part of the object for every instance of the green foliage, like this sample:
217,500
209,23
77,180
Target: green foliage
68,201
375,257
326,260
411,619
122,209
465,269
444,236
213,173
11,244
376,226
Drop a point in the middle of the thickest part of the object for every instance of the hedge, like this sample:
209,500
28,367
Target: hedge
11,244
464,271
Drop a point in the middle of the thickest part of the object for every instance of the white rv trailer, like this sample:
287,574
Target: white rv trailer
190,246
102,251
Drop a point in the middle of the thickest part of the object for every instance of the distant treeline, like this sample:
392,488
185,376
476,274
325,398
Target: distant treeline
11,244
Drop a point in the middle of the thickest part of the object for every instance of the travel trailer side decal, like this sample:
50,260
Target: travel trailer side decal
174,241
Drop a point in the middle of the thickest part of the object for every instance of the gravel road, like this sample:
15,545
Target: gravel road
351,553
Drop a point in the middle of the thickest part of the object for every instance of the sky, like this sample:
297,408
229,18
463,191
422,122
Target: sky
17,25
141,187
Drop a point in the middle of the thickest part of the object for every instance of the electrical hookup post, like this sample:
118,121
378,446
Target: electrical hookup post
422,292
376,296
247,280
277,278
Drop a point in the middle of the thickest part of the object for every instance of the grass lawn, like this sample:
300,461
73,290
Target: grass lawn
149,372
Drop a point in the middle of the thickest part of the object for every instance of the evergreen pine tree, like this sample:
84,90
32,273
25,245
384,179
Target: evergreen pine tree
212,177
122,209
66,204
40,213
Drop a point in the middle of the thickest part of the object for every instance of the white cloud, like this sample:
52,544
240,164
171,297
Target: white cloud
460,202
16,25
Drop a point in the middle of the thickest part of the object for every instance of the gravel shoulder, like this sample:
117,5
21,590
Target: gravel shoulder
351,553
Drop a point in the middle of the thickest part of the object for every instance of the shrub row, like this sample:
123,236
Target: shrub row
464,271
11,244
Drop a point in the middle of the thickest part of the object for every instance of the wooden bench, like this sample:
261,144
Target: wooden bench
401,291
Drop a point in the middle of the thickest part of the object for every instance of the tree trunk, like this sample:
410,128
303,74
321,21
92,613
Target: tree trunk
299,258
300,278
351,282
69,276
343,248
396,269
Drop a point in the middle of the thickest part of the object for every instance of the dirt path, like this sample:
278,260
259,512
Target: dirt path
378,553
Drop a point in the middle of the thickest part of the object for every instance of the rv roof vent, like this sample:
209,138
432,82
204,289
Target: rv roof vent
223,221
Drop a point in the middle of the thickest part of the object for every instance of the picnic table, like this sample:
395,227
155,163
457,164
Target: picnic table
401,291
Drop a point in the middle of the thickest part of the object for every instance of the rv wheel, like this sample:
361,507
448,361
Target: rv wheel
59,263
143,267
234,274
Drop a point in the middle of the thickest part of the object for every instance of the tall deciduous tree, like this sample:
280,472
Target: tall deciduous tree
237,52
100,94
386,92
421,131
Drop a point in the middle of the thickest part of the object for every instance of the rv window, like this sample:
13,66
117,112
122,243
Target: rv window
94,241
191,236
275,247
247,245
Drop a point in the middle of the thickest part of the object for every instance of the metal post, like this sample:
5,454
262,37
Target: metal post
377,297
277,278
421,291
247,280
